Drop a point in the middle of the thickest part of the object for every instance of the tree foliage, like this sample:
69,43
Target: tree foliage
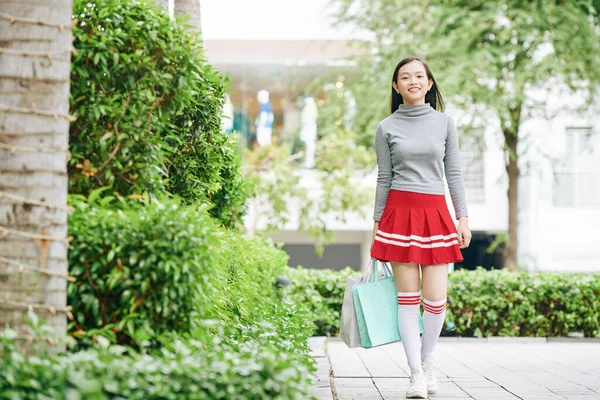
496,52
314,198
501,61
148,109
483,52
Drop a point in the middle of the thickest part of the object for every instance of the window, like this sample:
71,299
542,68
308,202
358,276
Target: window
471,153
577,176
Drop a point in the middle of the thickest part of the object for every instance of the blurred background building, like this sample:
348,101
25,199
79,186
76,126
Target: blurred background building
284,68
283,47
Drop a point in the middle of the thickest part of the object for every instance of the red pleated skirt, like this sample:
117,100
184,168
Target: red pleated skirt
416,227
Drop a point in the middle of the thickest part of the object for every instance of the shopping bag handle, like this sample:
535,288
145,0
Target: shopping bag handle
375,274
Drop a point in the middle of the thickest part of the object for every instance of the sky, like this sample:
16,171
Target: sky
268,19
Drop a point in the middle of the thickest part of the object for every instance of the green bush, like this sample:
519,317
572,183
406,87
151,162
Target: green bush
182,369
322,290
501,303
148,110
250,267
229,199
197,301
145,268
205,164
142,269
480,303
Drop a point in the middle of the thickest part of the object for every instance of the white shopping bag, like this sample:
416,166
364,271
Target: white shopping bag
348,323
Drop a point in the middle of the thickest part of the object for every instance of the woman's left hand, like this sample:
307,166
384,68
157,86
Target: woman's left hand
463,232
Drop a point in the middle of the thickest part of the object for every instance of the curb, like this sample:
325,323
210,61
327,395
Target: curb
518,339
331,376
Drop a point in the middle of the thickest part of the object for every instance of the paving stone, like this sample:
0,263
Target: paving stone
513,340
360,395
567,392
391,385
395,388
354,382
494,368
379,363
317,346
476,384
499,392
322,393
345,362
322,374
356,388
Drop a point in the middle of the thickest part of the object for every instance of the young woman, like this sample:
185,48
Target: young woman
413,228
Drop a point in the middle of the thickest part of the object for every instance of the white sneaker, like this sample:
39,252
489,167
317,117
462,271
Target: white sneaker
417,388
429,370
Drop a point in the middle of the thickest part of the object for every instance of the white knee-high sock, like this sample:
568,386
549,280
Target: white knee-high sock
433,320
408,325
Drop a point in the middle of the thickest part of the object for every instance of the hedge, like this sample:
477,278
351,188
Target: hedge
167,304
481,303
502,303
144,268
148,110
182,369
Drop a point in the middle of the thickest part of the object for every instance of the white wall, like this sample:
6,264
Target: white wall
556,238
273,20
491,216
550,238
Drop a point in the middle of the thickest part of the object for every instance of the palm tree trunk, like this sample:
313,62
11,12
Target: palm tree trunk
35,68
191,8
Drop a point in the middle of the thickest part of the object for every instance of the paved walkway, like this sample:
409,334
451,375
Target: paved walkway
486,369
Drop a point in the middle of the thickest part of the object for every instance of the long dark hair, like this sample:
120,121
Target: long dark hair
433,96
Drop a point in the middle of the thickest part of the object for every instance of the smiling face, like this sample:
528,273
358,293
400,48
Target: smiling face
412,83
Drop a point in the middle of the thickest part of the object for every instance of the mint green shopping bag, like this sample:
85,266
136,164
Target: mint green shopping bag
376,304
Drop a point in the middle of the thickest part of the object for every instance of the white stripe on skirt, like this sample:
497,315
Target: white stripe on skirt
412,243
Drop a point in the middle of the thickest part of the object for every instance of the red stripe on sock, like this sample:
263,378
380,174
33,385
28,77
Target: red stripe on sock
434,311
434,306
425,304
414,300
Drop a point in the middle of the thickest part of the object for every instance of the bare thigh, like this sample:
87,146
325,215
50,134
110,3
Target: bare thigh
407,276
435,281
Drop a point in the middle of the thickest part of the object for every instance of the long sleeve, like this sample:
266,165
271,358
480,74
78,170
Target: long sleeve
453,171
384,172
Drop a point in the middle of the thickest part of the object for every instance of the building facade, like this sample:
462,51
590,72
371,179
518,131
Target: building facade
559,191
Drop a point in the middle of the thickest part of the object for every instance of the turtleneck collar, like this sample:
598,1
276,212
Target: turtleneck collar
414,110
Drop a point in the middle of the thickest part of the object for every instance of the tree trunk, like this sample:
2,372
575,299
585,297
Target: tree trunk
168,5
510,260
191,8
511,141
34,129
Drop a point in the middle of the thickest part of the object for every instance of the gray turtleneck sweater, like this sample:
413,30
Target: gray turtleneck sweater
414,146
